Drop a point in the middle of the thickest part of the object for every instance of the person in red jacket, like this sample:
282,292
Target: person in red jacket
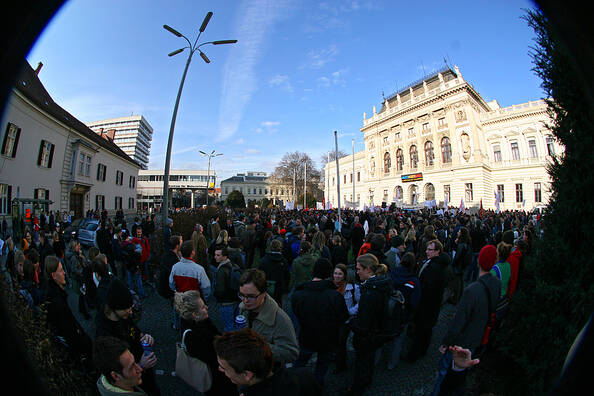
144,254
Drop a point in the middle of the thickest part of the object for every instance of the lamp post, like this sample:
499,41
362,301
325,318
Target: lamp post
192,49
211,155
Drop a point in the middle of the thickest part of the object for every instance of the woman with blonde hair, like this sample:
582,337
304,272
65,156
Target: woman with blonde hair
366,325
200,334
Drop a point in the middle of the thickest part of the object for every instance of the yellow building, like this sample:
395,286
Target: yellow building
438,141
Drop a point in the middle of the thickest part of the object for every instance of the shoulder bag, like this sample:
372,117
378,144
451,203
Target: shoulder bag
193,371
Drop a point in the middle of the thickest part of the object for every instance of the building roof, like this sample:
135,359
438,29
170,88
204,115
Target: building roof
31,87
244,178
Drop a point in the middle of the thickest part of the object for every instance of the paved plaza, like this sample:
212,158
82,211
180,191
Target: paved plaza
407,379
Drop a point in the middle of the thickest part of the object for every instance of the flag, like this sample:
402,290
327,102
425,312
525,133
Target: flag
497,209
366,227
481,210
319,205
462,205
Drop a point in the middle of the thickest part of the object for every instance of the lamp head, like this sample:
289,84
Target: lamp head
172,30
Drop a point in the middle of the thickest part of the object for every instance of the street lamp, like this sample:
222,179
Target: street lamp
192,49
211,155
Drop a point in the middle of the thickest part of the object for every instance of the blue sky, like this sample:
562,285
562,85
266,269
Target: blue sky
300,70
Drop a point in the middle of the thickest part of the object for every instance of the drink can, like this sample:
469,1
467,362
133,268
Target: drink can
240,322
147,347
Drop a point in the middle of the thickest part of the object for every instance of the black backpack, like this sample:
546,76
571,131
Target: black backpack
394,317
234,274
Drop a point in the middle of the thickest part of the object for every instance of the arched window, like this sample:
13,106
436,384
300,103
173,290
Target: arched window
398,194
414,157
387,162
446,150
429,156
399,160
429,192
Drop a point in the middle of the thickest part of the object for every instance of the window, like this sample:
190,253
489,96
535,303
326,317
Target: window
84,164
99,202
411,131
519,193
344,179
385,140
358,176
550,146
260,191
254,191
5,197
132,182
332,180
40,193
226,190
497,153
441,122
130,203
46,154
351,177
537,193
446,150
501,192
118,203
119,178
532,147
11,140
414,156
446,192
429,156
515,150
399,160
102,170
387,163
426,127
468,190
265,191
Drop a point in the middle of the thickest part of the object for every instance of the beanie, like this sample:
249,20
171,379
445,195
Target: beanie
396,241
508,237
169,221
487,257
118,295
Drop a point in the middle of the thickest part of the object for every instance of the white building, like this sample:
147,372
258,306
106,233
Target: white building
132,134
257,186
150,186
48,154
438,140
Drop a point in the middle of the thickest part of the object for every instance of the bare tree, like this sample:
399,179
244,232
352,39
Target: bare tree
324,160
293,164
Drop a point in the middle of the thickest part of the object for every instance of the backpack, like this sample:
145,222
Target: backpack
234,275
394,317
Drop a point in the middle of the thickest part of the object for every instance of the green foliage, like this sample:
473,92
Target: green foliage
556,287
310,200
235,200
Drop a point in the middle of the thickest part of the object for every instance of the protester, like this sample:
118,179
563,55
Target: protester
120,374
352,295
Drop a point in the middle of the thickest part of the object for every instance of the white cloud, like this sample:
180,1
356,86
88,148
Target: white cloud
240,141
282,82
317,59
255,20
252,151
270,126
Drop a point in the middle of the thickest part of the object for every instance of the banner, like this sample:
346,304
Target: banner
319,205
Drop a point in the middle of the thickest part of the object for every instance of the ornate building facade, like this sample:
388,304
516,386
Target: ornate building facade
437,141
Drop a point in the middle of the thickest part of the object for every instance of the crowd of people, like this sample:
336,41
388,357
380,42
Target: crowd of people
305,282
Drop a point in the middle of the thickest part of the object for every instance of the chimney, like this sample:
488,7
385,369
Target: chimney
111,134
38,69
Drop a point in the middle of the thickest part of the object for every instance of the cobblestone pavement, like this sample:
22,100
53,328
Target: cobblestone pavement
406,379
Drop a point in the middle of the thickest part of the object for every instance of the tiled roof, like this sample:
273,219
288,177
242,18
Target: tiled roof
31,87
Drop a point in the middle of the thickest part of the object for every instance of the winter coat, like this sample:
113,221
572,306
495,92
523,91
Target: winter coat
187,275
276,268
462,259
410,286
286,382
339,255
433,279
272,323
392,258
168,260
302,269
223,291
107,389
368,319
467,327
320,310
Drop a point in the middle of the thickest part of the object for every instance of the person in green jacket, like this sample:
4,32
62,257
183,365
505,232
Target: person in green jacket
302,267
502,269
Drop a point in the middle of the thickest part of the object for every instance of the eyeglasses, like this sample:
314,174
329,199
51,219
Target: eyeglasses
250,297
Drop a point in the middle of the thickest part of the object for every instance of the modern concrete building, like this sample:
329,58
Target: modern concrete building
438,140
181,183
51,161
132,134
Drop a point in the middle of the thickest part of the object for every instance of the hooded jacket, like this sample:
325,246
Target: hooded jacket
302,269
321,310
276,268
472,312
410,286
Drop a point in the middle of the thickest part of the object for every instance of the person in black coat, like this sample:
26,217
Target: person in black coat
357,236
378,242
320,310
367,322
199,339
433,278
114,320
276,268
59,315
338,251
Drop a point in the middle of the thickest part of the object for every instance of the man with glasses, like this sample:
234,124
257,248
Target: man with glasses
265,317
433,278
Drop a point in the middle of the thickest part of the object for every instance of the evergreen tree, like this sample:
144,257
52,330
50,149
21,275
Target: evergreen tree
235,200
555,294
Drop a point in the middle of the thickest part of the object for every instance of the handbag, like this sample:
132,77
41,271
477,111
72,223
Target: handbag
193,371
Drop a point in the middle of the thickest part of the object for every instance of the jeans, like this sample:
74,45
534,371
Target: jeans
227,312
445,362
135,278
322,363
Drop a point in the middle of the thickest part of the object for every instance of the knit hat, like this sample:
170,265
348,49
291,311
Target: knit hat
508,237
396,241
118,295
487,257
282,231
